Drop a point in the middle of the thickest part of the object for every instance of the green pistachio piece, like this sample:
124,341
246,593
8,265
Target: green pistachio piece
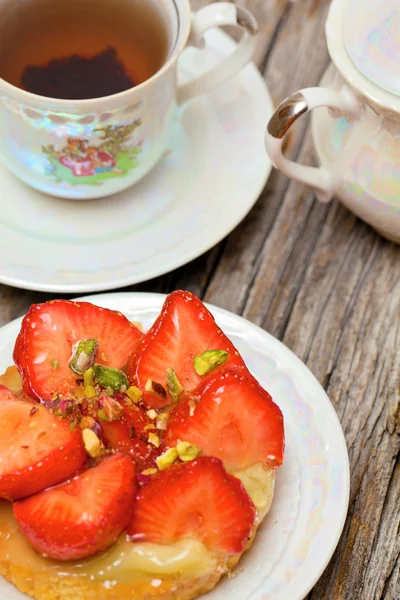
92,443
209,360
154,439
155,388
84,354
167,459
90,392
174,386
134,394
187,451
110,410
110,378
88,377
54,364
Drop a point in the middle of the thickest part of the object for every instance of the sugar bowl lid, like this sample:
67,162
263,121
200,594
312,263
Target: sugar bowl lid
371,32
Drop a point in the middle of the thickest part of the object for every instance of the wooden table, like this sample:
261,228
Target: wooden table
326,285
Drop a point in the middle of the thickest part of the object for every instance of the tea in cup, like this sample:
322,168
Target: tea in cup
88,88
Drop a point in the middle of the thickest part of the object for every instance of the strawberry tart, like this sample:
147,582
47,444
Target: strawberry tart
133,465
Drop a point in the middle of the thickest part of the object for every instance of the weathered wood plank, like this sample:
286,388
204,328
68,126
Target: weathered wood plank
287,70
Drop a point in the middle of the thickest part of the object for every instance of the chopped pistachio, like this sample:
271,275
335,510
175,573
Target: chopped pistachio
91,442
209,360
154,439
103,356
90,392
149,427
134,394
162,421
150,472
84,354
155,388
73,425
110,410
87,423
102,415
152,414
54,364
174,386
88,377
187,451
110,378
167,459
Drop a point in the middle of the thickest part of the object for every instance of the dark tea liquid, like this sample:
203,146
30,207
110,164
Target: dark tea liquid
80,49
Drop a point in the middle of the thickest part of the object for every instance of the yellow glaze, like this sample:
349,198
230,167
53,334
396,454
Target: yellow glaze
12,380
260,484
127,561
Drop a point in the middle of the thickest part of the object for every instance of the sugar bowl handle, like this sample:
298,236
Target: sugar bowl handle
343,103
217,15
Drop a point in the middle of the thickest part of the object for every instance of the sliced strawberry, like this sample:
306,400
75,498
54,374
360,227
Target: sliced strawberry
196,499
117,435
138,420
37,450
185,329
49,332
83,516
232,417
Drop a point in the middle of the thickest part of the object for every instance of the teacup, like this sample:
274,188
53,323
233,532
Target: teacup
357,129
57,146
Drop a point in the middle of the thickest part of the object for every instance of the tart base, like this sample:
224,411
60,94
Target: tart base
45,586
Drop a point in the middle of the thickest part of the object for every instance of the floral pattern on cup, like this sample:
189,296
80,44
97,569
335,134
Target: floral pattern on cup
82,162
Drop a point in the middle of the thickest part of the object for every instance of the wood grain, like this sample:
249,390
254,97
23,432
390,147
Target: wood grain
328,286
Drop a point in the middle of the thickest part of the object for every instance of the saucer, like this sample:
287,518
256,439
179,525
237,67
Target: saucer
209,178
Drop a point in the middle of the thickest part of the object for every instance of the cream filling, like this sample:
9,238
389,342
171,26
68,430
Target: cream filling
126,561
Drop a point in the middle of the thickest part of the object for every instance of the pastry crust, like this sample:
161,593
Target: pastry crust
46,586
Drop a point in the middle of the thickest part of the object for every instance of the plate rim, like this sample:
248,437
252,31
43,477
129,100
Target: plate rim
115,300
185,257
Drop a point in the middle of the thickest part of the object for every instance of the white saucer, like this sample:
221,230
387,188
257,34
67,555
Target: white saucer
297,539
208,180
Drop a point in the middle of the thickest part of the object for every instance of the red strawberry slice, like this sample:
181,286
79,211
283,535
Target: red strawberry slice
137,420
83,516
49,332
117,435
196,499
233,418
185,329
37,450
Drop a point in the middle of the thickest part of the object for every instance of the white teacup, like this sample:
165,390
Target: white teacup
36,132
357,127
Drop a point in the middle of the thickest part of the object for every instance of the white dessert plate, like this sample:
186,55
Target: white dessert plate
209,178
298,537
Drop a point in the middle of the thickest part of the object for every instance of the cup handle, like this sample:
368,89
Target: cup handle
343,104
216,15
